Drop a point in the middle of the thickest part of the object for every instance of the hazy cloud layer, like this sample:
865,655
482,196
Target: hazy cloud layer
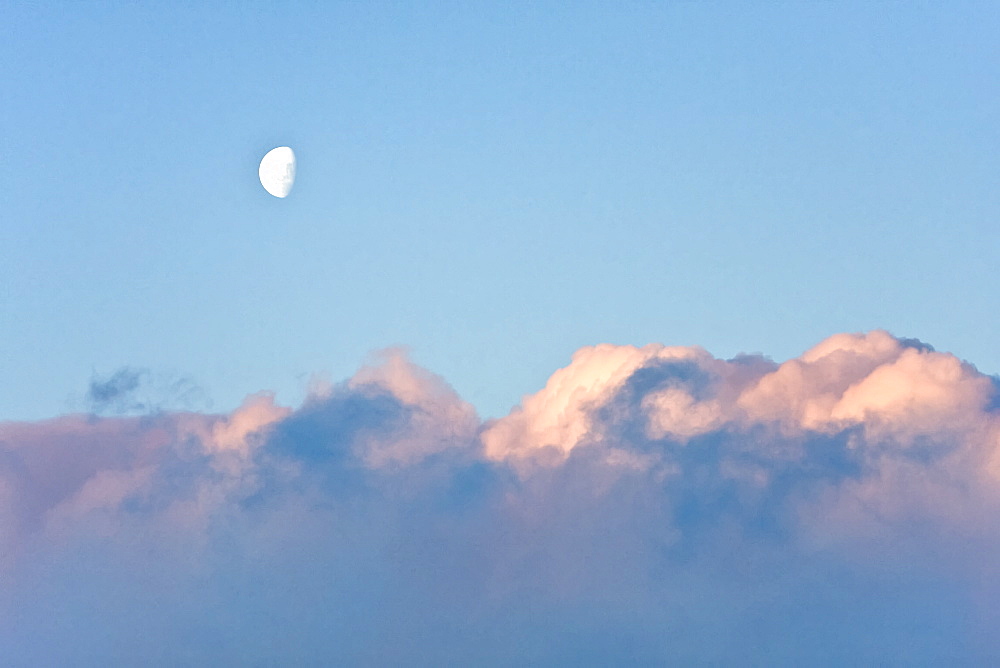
648,504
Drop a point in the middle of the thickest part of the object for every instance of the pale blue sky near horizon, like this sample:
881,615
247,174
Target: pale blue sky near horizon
492,187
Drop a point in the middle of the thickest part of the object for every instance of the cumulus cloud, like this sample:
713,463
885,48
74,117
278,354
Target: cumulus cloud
649,504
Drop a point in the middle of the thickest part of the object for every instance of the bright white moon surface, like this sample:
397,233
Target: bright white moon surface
277,171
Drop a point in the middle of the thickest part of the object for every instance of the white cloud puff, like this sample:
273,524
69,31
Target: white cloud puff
894,389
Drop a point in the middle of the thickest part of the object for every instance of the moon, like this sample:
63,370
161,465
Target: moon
277,171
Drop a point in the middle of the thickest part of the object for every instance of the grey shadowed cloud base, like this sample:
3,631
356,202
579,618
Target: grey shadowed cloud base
648,505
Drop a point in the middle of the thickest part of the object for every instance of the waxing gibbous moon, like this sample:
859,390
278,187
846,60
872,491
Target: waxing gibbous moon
277,171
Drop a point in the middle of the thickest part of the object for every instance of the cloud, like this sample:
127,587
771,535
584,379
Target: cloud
115,390
649,504
131,390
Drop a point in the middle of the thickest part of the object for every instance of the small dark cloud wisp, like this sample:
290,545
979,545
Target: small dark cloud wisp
130,390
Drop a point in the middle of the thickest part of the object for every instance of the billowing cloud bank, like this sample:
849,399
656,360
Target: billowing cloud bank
647,505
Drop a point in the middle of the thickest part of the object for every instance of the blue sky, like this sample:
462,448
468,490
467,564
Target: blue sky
554,201
491,187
